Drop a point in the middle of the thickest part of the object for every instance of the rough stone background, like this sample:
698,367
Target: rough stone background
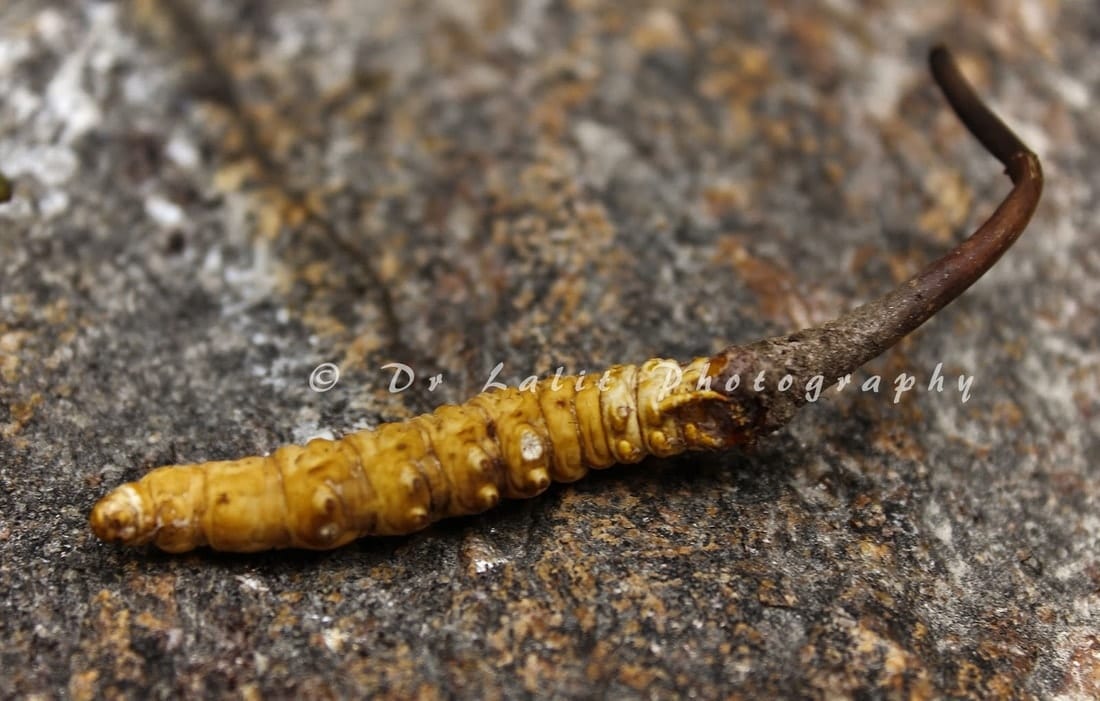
213,198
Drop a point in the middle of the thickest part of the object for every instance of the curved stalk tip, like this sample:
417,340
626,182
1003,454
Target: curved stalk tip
838,347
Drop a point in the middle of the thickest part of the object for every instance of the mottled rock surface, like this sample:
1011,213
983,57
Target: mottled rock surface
211,199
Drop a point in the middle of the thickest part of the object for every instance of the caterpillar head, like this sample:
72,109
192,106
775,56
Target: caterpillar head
124,516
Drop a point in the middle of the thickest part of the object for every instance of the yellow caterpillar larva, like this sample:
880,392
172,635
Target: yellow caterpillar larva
513,443
400,477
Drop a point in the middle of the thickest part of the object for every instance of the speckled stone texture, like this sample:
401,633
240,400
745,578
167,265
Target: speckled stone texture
211,199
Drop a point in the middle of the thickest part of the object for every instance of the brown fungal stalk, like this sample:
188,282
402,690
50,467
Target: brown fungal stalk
842,345
514,442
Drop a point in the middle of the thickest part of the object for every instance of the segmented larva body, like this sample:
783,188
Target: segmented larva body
401,477
514,442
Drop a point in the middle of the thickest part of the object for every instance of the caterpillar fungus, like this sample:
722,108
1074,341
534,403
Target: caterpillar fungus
509,443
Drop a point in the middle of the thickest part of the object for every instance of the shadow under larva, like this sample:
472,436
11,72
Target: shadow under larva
512,443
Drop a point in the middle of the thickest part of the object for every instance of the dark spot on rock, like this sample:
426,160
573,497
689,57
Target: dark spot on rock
175,243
